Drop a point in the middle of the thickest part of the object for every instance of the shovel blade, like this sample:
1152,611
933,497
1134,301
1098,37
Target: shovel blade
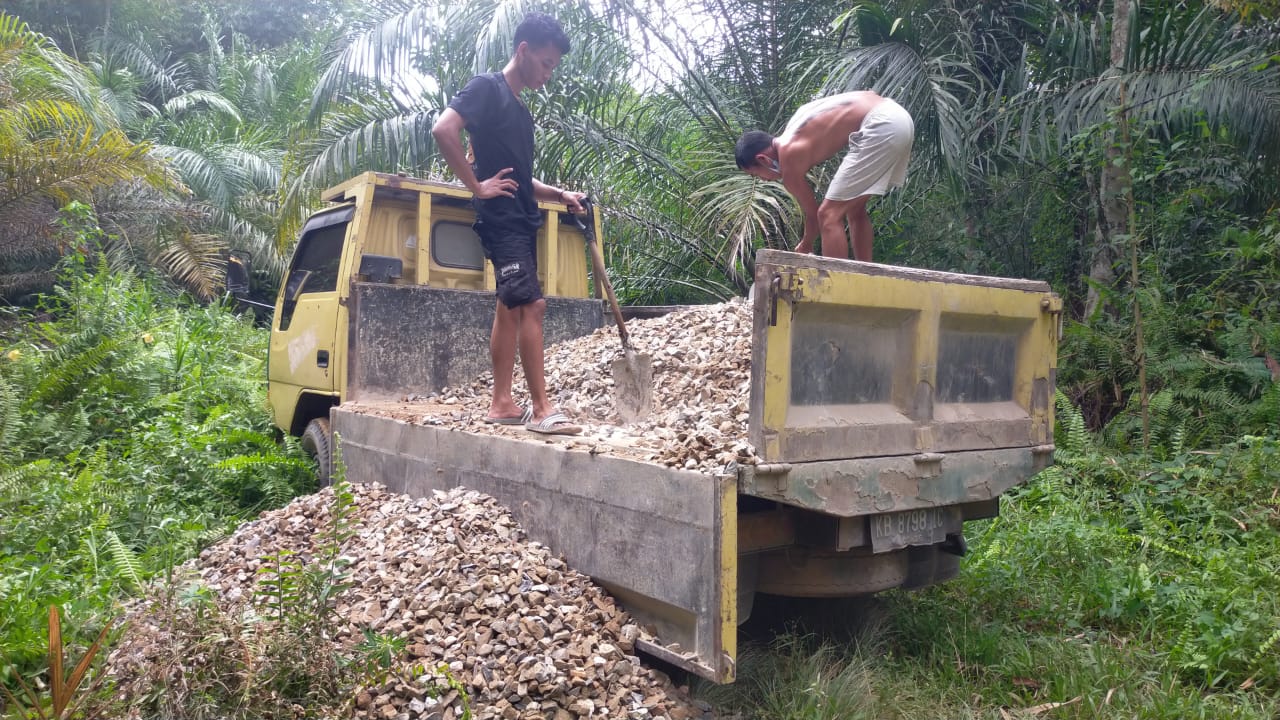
633,386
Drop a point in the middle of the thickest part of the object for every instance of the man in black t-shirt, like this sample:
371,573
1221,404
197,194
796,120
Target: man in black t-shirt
489,108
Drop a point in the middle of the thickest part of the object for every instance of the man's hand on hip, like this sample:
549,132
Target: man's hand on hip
497,186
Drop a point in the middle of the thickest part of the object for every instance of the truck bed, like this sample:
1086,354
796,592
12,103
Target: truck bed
597,437
829,438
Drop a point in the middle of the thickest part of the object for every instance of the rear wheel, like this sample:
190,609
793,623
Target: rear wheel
318,443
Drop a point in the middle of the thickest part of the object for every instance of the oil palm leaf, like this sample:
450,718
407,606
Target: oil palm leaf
377,61
194,260
1182,70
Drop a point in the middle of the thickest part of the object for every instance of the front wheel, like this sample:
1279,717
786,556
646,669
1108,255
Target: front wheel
318,443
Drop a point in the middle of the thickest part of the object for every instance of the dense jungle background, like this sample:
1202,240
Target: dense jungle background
1127,152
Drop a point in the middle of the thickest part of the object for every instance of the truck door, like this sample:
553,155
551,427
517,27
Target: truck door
305,327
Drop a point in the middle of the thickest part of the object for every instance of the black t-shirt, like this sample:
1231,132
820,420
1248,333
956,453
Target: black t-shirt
501,131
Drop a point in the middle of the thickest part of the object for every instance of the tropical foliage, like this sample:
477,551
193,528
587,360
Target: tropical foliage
58,143
1124,151
122,408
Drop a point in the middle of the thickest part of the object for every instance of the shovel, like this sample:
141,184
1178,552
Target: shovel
633,372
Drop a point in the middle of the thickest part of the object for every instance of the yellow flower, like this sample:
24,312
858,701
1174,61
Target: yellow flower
14,355
147,339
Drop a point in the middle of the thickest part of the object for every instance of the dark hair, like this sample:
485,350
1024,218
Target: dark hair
540,30
752,143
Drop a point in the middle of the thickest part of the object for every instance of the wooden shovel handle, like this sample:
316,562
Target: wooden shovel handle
602,277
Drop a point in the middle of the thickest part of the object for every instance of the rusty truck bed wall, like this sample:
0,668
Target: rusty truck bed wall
663,541
408,339
858,360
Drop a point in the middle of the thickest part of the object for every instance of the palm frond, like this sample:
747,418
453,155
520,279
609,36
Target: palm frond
743,210
353,144
194,260
146,63
67,168
377,58
1182,70
193,99
202,172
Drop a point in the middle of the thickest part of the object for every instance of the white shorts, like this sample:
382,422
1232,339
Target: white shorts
878,154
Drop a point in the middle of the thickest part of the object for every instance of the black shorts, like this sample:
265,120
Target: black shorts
515,266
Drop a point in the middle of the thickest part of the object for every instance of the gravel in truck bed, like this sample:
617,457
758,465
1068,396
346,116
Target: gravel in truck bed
701,389
454,577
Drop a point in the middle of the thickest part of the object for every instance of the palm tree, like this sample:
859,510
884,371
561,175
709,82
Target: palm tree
741,66
58,143
1166,72
637,151
220,119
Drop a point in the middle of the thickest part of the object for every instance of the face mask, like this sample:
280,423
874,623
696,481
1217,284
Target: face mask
775,166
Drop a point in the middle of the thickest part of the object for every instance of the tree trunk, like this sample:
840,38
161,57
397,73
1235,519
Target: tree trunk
1115,192
1119,211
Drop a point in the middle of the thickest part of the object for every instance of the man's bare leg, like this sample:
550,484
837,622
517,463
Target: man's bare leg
860,229
502,352
531,357
831,215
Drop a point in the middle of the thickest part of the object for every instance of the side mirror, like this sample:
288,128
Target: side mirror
238,272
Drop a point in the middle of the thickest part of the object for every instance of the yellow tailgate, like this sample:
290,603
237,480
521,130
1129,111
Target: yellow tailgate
862,360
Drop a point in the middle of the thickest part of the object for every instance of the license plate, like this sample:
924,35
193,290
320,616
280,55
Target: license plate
927,526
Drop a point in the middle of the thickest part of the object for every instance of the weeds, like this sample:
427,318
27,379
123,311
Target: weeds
123,410
65,691
271,655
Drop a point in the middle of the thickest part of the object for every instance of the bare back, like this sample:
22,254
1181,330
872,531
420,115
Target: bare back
821,128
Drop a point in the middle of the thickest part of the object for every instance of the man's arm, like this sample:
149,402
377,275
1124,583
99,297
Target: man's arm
798,185
551,193
448,134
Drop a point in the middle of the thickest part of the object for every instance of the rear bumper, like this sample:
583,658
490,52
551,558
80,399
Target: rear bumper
869,486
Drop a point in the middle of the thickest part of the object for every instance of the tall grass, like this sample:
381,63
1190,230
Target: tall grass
120,403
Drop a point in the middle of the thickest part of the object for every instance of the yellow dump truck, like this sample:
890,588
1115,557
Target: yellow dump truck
887,407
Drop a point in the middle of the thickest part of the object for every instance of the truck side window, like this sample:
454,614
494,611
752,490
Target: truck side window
456,245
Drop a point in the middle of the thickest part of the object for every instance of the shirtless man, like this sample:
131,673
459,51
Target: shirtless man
878,133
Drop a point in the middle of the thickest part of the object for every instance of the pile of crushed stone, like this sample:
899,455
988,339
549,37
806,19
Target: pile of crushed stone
701,388
454,576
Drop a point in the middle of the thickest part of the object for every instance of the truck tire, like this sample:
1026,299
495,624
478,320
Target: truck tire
318,443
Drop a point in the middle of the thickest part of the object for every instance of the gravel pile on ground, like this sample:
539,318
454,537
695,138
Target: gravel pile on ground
701,377
455,577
